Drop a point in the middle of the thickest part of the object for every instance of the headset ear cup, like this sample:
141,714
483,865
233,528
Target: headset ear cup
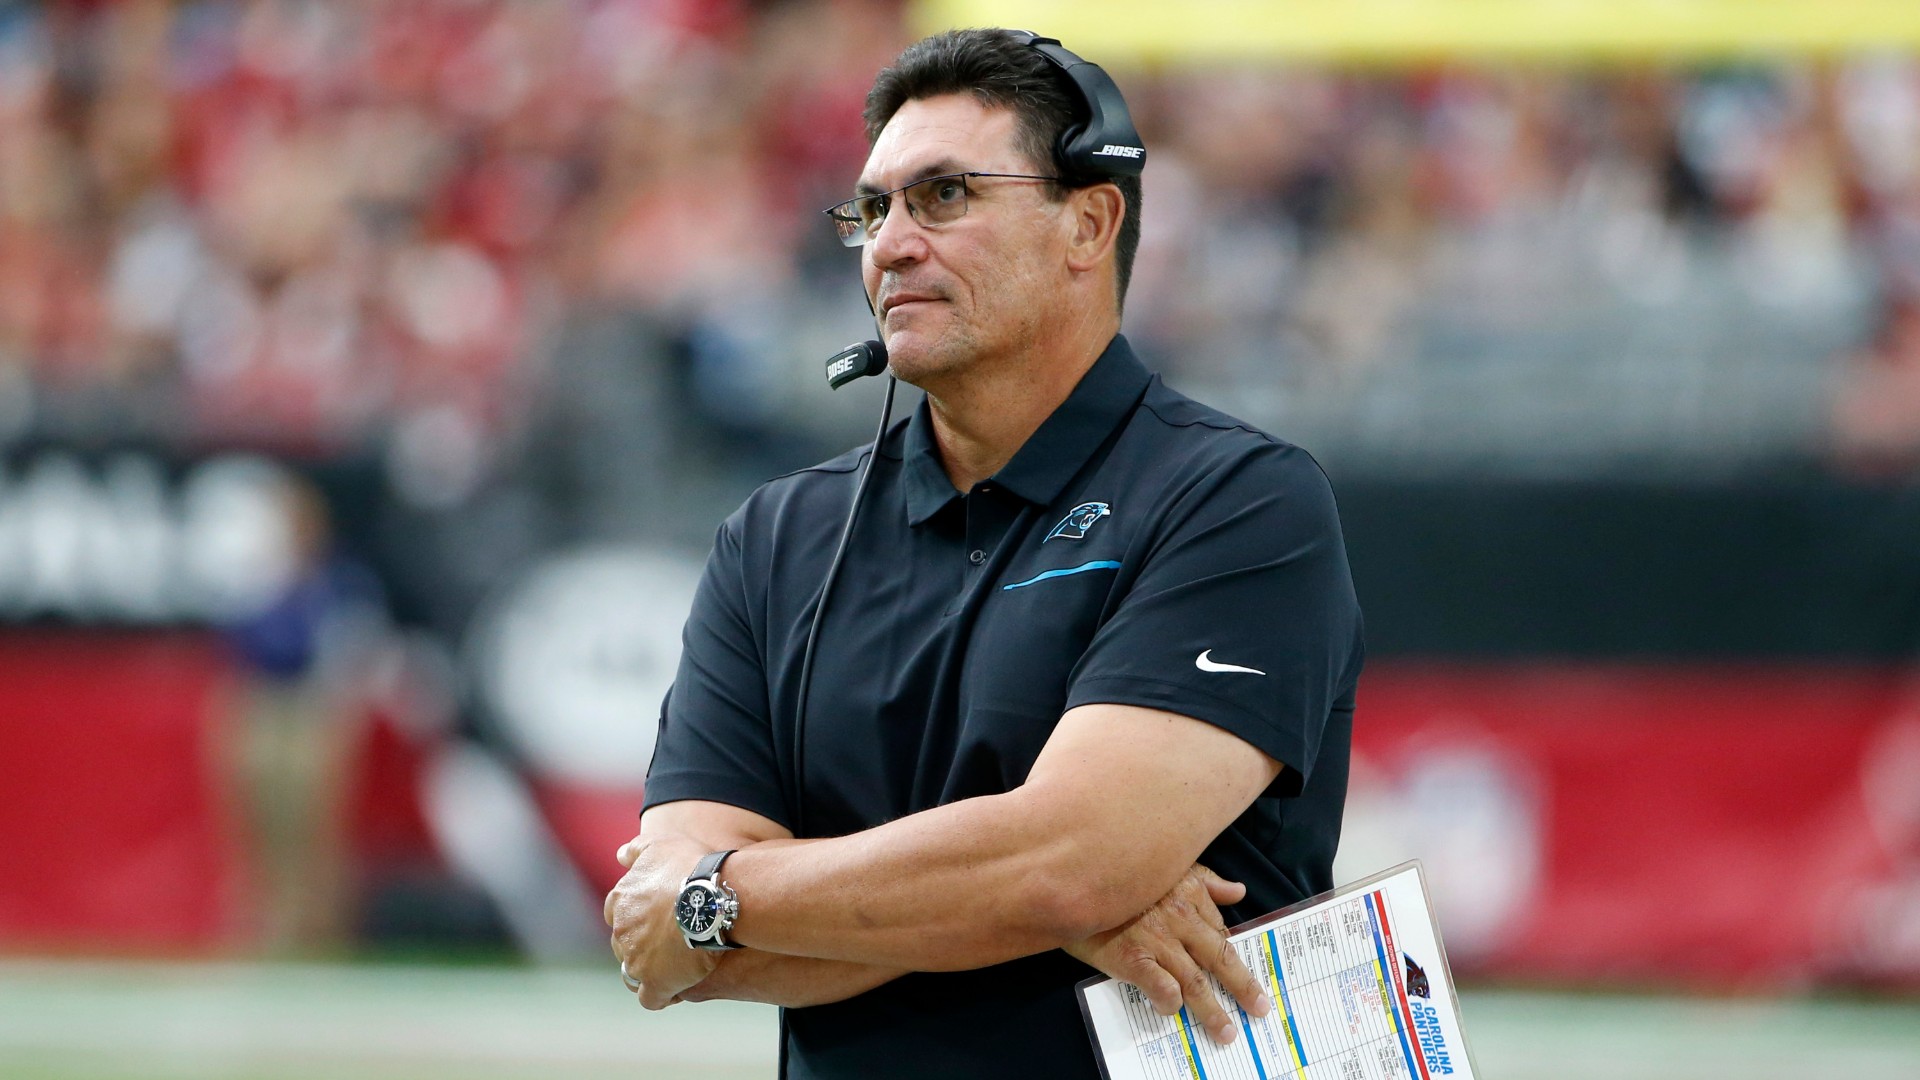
1073,154
1105,145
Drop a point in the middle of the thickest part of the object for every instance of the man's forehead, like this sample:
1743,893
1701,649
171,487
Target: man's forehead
931,136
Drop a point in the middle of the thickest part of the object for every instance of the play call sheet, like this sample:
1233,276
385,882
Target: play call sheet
1360,990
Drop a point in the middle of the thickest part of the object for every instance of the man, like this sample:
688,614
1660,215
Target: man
1091,634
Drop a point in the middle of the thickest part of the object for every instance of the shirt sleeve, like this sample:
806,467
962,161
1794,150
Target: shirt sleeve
716,735
1242,613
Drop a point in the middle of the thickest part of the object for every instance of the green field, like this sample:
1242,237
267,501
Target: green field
95,1021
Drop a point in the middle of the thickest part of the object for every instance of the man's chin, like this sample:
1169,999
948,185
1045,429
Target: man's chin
913,356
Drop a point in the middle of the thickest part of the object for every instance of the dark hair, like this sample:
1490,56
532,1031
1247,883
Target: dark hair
1001,71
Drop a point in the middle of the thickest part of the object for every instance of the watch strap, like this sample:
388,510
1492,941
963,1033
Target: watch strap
709,865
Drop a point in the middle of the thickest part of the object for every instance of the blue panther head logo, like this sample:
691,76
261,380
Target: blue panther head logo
1078,520
1417,983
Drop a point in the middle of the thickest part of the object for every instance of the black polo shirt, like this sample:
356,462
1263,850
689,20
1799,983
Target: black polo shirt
1140,549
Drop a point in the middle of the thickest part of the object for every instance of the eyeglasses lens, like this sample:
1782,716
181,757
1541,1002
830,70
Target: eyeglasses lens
933,201
938,200
857,219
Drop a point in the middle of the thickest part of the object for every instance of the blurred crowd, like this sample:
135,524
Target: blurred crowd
386,227
1699,263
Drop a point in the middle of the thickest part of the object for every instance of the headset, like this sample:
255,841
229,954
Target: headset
1102,145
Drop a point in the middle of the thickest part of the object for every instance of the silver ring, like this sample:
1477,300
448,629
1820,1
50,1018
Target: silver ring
633,984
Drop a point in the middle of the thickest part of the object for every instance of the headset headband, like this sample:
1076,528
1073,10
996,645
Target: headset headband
1106,146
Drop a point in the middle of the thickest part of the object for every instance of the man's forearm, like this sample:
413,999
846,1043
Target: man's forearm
751,974
1121,801
789,981
964,885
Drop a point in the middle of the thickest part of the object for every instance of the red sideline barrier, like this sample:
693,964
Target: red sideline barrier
1732,827
1726,826
1716,826
113,832
591,823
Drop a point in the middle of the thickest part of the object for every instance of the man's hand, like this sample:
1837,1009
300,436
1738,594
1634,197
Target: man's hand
1170,951
646,940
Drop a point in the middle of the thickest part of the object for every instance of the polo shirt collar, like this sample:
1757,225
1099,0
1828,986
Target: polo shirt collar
1052,455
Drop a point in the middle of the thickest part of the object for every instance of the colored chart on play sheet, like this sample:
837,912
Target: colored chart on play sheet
1360,988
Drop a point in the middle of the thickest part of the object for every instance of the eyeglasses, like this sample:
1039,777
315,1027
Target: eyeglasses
934,201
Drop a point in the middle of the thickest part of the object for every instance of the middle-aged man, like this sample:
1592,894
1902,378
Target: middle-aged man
1090,636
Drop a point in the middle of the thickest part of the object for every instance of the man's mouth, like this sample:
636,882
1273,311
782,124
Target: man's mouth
903,299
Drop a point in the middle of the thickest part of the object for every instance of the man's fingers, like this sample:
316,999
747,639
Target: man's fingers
1203,1005
1219,889
1137,963
1216,890
1178,948
1203,934
1245,987
628,852
1162,990
1177,931
1206,949
1168,992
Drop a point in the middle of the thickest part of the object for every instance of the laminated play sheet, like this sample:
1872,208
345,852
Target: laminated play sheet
1360,988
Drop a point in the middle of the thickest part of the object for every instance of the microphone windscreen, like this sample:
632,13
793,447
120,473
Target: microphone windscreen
856,361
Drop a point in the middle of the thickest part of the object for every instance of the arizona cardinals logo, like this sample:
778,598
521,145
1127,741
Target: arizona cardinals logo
1078,520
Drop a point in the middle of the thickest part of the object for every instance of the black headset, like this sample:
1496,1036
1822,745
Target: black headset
1102,146
1105,146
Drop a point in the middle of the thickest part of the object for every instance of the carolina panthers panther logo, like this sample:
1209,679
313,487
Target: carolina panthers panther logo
1078,520
1417,984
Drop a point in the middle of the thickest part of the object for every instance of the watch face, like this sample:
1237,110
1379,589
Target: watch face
696,910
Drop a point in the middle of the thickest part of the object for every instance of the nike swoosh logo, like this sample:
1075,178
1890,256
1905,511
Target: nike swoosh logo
1205,664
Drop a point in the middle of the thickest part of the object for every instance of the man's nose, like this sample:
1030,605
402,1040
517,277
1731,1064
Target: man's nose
898,239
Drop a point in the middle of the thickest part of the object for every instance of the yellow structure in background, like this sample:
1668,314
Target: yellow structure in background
1398,31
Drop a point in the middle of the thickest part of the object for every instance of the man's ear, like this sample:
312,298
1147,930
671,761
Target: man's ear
1096,213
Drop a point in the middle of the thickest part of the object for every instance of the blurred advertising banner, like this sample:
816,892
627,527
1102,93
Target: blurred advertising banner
186,654
1736,826
1739,826
136,538
115,827
1399,30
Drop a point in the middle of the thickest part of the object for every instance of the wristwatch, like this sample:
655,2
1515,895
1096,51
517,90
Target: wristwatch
707,907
